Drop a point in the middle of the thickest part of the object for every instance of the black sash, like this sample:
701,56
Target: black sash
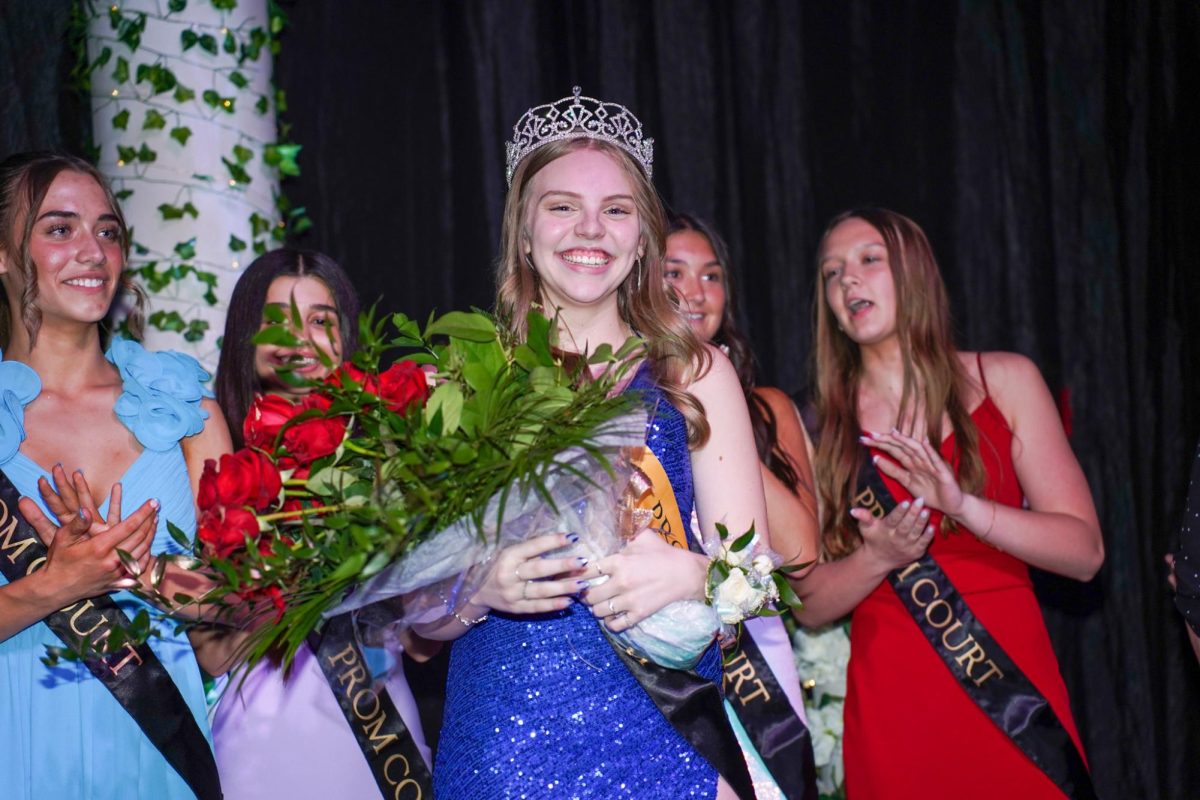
134,675
777,733
385,741
694,707
985,672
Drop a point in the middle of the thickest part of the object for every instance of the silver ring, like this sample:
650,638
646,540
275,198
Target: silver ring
611,610
525,590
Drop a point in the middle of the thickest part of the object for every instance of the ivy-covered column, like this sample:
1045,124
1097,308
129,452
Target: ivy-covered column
184,122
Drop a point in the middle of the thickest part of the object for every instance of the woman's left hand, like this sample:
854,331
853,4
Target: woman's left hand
66,497
646,576
919,468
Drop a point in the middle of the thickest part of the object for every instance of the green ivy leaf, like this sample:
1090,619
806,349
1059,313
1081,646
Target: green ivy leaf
211,97
181,134
130,30
154,121
230,44
195,330
124,194
236,171
259,248
175,6
236,244
126,154
159,77
188,39
242,154
183,94
120,72
146,155
186,250
169,211
259,224
238,79
121,120
208,43
262,106
169,321
283,157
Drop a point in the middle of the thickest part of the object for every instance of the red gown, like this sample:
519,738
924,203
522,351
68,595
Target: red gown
911,730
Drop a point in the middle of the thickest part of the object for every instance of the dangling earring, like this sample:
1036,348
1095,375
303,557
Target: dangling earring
637,275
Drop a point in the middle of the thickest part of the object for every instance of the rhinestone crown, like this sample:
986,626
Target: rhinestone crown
578,117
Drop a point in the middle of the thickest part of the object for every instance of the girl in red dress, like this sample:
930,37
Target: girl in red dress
971,447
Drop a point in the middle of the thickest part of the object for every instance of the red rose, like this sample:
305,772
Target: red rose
403,385
266,417
271,593
206,497
314,438
225,531
368,382
248,478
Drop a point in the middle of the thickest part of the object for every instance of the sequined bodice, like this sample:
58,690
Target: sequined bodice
541,706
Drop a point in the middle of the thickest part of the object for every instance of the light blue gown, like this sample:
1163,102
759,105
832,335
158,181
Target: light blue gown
62,734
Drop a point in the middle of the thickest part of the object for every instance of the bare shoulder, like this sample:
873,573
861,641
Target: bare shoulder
719,379
214,439
1016,386
777,400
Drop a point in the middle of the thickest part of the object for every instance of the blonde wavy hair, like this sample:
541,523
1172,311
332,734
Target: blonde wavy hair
676,356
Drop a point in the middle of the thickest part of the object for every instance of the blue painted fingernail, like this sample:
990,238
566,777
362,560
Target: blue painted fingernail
572,537
581,561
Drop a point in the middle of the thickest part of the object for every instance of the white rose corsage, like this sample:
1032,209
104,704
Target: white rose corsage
746,579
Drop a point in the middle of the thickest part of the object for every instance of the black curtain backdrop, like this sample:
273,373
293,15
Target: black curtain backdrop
1050,150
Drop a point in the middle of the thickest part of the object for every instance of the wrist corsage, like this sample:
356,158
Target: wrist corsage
746,579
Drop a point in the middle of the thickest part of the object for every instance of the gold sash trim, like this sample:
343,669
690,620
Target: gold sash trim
656,496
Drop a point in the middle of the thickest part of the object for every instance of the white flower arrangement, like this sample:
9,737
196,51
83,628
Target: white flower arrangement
822,656
745,578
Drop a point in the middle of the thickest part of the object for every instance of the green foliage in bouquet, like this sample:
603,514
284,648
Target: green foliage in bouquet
377,459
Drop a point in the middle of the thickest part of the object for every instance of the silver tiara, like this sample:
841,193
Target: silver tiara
577,117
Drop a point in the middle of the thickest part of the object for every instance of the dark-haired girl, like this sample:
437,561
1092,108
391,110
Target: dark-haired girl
698,268
277,735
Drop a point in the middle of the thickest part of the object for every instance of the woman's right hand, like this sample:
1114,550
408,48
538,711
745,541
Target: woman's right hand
525,581
80,564
899,538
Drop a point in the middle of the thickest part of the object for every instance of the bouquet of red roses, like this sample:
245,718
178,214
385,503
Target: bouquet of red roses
374,462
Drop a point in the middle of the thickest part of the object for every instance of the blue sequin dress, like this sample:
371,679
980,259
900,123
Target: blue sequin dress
542,707
62,733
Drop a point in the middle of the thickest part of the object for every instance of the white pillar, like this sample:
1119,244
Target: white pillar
183,126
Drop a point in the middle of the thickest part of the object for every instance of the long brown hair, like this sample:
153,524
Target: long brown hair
676,356
24,180
934,379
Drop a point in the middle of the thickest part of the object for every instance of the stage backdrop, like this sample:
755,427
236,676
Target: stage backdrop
1050,150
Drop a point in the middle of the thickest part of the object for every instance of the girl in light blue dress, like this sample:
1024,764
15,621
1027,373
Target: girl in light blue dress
139,426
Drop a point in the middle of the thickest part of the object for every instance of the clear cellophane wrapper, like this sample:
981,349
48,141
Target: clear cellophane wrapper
588,496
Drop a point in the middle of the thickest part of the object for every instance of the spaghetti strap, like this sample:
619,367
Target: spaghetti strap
982,377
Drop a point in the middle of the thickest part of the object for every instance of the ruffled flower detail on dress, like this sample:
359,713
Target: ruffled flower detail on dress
19,385
163,390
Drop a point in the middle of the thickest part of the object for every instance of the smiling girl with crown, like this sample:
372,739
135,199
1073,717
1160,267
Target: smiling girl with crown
540,703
